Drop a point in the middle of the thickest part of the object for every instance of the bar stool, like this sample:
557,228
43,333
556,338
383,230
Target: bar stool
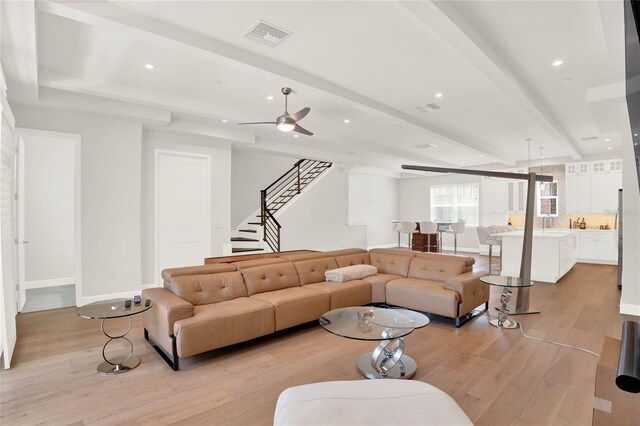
407,228
429,228
485,237
455,229
397,228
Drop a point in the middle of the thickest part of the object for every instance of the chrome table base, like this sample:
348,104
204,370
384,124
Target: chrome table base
119,364
387,361
503,320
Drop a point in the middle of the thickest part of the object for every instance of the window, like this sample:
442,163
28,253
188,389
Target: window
455,202
548,199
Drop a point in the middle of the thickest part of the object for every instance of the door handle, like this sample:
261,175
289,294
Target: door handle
25,242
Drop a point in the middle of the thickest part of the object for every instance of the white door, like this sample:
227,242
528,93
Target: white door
8,303
182,209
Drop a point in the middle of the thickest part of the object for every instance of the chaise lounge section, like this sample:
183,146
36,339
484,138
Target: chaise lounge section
202,308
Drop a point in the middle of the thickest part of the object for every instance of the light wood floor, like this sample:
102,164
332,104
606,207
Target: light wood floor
497,376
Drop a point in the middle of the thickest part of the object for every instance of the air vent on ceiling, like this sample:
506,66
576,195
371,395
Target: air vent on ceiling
590,138
424,145
428,107
267,34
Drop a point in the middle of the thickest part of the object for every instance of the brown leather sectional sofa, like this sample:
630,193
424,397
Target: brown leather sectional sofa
202,308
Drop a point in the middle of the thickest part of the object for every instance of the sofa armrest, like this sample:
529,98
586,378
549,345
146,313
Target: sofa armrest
467,283
167,309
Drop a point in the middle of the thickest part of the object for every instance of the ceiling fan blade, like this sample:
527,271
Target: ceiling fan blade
300,114
302,130
258,122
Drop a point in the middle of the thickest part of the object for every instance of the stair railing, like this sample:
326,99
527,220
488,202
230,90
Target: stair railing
281,191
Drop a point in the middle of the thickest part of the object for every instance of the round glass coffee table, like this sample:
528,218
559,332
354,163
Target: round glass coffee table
112,309
387,326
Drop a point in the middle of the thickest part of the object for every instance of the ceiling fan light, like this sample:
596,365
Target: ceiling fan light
285,127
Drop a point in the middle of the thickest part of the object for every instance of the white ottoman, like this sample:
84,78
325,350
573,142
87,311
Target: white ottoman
368,402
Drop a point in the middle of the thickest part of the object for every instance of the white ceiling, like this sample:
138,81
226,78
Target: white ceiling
369,62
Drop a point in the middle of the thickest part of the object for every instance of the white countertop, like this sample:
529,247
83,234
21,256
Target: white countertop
550,233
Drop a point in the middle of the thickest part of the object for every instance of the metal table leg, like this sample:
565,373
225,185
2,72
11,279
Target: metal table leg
119,364
503,320
387,361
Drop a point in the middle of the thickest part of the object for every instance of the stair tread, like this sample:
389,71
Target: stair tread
244,239
244,250
247,230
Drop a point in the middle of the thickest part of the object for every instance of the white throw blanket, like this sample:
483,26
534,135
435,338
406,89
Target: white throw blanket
349,273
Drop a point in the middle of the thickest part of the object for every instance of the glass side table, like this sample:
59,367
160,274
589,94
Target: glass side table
508,283
387,326
113,309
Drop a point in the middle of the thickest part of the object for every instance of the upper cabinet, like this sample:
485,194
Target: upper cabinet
592,187
516,192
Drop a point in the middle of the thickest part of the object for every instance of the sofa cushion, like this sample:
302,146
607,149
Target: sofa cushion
261,279
436,268
346,252
209,288
245,264
378,283
216,325
423,295
468,260
349,293
296,305
312,271
391,261
216,268
353,259
348,273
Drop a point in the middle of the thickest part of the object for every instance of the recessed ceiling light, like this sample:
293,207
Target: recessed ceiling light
434,145
347,121
557,62
296,136
438,95
495,161
636,143
149,66
609,148
566,80
607,140
542,157
269,98
635,134
481,155
225,121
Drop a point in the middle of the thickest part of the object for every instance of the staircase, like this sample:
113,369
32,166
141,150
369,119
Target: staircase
263,232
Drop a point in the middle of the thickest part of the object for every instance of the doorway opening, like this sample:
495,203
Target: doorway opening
48,216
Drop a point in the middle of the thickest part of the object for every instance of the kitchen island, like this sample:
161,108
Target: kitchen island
554,253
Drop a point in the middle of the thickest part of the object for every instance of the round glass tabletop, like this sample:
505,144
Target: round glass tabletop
113,308
503,281
364,323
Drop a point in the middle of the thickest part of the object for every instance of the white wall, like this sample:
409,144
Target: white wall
111,196
318,220
48,207
220,154
373,202
630,298
251,172
414,196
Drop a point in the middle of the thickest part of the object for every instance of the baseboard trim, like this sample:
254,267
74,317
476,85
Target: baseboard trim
29,285
629,309
461,249
598,262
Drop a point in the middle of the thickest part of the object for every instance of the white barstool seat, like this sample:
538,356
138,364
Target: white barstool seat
455,229
407,228
429,228
485,236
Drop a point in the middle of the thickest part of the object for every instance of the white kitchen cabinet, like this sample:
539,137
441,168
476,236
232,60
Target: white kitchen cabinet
578,193
598,246
599,193
492,196
516,193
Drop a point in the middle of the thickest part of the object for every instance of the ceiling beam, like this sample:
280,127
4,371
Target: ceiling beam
444,20
169,36
19,41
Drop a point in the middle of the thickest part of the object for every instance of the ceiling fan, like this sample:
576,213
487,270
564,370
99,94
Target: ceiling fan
288,122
